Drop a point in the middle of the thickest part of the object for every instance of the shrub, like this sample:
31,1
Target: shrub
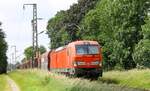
142,53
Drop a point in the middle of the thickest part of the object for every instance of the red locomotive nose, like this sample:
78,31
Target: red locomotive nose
87,61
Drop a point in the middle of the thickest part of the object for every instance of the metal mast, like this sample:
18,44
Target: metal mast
34,33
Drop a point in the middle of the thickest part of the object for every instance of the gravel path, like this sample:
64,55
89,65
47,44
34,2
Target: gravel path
12,84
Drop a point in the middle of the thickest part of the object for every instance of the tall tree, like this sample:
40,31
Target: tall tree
129,34
142,49
54,26
28,51
3,50
116,24
64,26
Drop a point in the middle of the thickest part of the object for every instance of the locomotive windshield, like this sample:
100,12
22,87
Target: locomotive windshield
87,49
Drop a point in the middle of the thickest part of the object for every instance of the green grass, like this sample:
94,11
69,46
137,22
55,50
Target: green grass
132,78
2,82
32,80
35,80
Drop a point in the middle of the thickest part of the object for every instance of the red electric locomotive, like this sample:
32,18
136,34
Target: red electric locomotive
80,58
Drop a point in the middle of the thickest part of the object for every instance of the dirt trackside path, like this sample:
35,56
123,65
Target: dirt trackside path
12,84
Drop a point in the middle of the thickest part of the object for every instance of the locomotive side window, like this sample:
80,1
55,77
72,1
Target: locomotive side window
87,49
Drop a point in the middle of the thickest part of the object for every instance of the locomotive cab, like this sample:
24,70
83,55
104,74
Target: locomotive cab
87,56
87,59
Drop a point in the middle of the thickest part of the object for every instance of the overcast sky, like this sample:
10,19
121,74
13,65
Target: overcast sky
17,22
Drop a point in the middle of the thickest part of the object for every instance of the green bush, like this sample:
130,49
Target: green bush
142,53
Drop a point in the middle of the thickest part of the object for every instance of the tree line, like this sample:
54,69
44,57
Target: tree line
3,50
122,27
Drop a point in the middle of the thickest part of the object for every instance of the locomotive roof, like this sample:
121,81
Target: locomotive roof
76,42
83,42
60,48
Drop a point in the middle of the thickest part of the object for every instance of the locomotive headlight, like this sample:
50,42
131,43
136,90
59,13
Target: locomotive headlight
75,64
95,63
100,64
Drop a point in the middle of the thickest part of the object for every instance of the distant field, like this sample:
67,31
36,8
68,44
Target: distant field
35,80
132,78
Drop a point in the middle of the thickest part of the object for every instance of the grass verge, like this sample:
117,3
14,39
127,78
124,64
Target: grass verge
3,83
35,80
132,78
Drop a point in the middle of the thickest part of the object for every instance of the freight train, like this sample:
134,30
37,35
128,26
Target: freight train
79,58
